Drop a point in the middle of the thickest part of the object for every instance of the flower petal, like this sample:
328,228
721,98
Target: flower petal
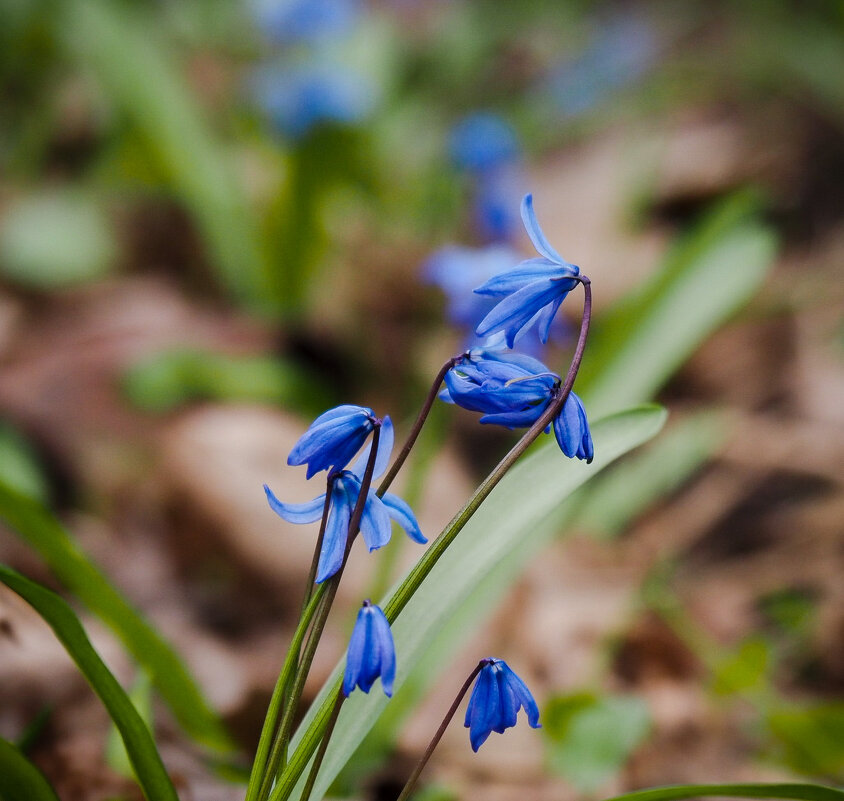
386,650
523,694
336,532
375,523
308,512
524,273
514,311
542,245
400,511
385,449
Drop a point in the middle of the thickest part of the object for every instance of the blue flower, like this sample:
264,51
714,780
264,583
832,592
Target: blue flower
298,98
482,141
375,525
371,652
532,290
305,20
333,439
514,390
494,205
496,698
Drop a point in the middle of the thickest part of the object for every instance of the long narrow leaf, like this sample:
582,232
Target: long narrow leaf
799,792
636,346
39,529
509,528
136,736
20,780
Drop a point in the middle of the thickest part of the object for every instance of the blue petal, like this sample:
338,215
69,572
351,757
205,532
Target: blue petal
400,511
546,317
332,439
382,458
371,658
375,522
521,275
521,419
523,694
386,650
571,430
512,313
336,532
484,695
354,657
542,245
308,512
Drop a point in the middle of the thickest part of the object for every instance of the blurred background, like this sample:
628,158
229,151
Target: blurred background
220,218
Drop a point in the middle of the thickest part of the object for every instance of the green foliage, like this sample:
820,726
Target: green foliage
141,696
174,378
39,529
19,466
55,239
511,527
799,792
745,669
20,780
590,737
136,736
637,345
810,739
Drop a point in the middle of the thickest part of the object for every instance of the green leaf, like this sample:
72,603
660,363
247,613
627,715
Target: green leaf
39,529
798,792
638,344
55,239
139,744
20,780
743,670
626,490
128,56
19,465
590,738
141,697
810,738
507,531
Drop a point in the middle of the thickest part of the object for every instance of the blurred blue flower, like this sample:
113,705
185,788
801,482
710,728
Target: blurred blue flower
514,390
483,141
375,525
496,196
532,290
494,705
333,439
621,52
288,21
302,96
371,652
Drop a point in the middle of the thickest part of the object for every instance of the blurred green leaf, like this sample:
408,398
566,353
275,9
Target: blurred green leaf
810,739
799,792
627,489
20,780
19,466
139,743
115,753
637,345
55,238
39,529
468,580
590,738
173,378
743,670
130,59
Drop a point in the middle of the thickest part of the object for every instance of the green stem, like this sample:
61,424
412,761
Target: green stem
323,746
277,759
311,737
309,587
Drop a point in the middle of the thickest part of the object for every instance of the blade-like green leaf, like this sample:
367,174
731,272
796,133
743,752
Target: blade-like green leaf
509,528
39,529
799,792
636,346
125,51
139,744
20,780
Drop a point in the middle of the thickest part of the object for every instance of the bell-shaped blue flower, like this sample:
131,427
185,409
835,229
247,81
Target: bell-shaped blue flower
496,698
513,390
483,141
532,291
375,523
371,652
333,439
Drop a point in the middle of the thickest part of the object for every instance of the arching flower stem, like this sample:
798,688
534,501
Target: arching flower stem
278,752
417,425
309,587
411,782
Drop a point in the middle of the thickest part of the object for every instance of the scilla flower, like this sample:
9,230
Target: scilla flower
333,439
496,698
371,652
532,290
375,523
513,390
483,141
